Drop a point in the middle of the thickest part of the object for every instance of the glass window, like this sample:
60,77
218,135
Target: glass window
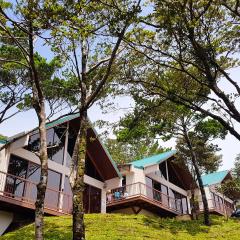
67,197
72,135
18,169
164,191
52,193
34,143
55,143
162,168
149,183
56,150
33,175
184,205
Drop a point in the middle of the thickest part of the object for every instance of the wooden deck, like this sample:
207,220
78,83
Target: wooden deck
20,192
144,197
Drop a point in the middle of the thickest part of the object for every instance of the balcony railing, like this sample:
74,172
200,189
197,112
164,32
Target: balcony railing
222,208
128,192
21,190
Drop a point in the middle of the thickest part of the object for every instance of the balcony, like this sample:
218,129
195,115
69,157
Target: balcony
17,191
143,196
218,207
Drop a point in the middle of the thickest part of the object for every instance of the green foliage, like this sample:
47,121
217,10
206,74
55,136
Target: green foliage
236,169
206,153
128,227
2,137
124,152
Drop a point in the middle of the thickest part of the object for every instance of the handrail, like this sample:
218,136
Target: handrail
219,206
145,191
32,182
54,200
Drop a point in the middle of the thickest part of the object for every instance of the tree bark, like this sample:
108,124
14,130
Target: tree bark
42,185
78,184
193,203
39,106
196,168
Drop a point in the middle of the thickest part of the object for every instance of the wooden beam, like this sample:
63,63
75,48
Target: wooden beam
136,211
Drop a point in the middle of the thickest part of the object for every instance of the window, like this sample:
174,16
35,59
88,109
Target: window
52,193
72,135
162,168
55,143
56,149
18,169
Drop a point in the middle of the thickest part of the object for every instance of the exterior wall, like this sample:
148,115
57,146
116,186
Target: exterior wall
6,219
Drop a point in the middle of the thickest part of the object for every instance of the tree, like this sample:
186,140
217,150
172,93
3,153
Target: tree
169,120
88,35
191,43
21,30
236,170
123,152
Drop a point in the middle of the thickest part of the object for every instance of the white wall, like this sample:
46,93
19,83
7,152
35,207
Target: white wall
6,219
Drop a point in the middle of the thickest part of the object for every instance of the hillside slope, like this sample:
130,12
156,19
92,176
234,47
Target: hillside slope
130,227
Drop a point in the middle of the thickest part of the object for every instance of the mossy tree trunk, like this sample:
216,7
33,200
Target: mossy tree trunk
78,184
199,179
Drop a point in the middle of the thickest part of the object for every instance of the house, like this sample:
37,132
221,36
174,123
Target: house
153,185
20,172
217,202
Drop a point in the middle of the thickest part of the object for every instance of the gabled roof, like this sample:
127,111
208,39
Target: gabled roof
156,159
214,178
68,118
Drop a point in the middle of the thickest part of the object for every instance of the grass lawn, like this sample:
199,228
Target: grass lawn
131,227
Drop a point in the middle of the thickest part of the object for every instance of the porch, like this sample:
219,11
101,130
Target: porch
20,192
144,197
218,207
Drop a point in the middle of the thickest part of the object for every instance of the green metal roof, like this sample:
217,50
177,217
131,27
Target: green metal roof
214,178
62,120
156,159
3,141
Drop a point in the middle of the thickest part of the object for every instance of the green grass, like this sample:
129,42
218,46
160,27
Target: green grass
131,227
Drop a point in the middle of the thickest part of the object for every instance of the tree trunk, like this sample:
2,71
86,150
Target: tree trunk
78,185
39,106
194,207
42,185
196,168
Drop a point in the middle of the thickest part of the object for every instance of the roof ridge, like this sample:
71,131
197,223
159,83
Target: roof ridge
216,172
153,155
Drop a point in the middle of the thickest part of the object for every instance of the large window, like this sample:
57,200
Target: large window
55,143
20,169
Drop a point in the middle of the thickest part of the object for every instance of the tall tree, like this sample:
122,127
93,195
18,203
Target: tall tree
88,35
190,128
21,24
191,43
124,152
